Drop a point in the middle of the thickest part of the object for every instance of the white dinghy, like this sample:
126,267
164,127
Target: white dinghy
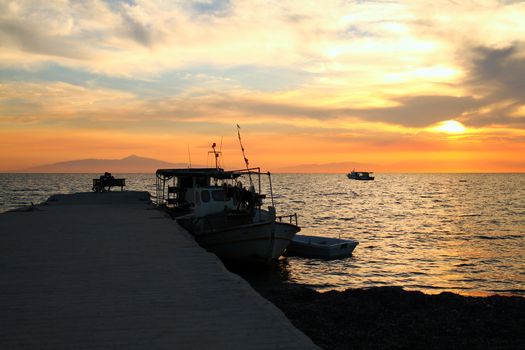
321,247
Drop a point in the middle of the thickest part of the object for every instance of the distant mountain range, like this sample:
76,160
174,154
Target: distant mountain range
136,164
130,164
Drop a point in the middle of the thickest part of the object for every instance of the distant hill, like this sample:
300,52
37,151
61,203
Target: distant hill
130,164
344,167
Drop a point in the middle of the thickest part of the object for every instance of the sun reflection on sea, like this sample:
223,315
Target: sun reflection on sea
435,232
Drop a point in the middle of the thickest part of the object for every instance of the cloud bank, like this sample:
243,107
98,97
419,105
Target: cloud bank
353,69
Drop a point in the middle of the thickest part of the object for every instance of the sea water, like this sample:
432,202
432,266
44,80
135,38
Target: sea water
431,232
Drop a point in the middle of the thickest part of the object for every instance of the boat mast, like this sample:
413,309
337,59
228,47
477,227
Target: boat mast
189,156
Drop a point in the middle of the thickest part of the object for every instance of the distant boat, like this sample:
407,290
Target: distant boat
360,175
321,247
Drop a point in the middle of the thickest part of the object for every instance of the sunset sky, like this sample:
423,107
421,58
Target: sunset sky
390,86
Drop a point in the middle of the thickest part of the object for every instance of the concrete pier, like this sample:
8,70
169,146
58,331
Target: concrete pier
108,270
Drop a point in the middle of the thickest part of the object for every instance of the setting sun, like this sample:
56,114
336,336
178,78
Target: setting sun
450,127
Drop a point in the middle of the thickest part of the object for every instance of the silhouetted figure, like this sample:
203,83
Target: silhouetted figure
106,181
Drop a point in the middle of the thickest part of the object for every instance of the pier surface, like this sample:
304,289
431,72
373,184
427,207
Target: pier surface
108,270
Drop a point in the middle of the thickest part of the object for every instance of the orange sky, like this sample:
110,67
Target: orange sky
390,87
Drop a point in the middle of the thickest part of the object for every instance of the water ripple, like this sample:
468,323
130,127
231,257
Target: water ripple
456,232
430,232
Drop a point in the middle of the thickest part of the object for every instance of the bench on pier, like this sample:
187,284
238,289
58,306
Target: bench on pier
104,185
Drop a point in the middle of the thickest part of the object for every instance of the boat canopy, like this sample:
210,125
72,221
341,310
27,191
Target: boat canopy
216,173
179,186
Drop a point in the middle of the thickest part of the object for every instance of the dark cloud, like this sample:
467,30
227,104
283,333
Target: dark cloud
499,71
138,32
217,8
499,75
29,37
417,111
510,2
420,111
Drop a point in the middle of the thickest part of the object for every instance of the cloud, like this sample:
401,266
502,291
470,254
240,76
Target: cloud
210,7
142,38
137,26
29,38
146,38
500,71
498,75
381,62
32,103
420,111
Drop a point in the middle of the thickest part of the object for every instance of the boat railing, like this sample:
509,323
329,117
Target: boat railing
291,218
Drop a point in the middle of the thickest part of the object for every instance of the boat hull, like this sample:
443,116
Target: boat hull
369,178
258,242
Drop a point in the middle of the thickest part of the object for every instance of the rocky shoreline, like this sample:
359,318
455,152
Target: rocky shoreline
392,318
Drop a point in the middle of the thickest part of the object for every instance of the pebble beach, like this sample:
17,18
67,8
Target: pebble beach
392,318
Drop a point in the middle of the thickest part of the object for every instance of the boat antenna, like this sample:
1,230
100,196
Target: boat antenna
189,155
244,155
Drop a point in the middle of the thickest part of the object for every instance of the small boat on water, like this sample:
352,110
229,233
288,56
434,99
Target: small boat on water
360,175
321,247
225,217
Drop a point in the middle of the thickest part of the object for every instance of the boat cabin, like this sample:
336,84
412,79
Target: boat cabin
361,175
206,191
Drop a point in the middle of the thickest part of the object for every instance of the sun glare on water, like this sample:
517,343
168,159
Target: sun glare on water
450,127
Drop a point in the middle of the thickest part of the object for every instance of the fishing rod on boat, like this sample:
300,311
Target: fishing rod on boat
244,155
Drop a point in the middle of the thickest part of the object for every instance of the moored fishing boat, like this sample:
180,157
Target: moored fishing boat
225,217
